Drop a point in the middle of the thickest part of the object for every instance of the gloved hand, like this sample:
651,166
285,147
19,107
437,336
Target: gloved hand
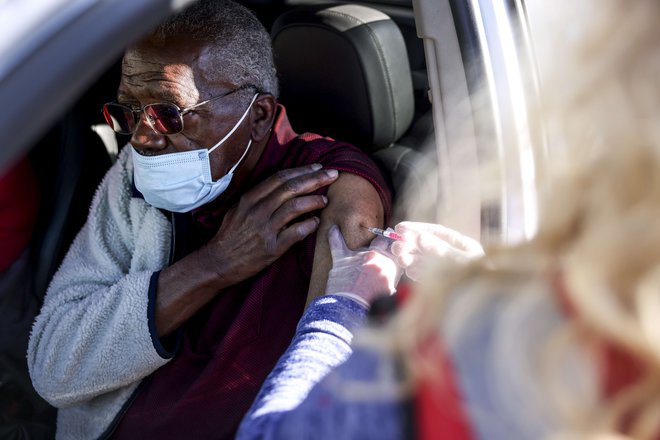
363,274
424,240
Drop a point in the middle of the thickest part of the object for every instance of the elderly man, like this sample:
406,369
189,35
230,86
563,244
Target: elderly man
186,283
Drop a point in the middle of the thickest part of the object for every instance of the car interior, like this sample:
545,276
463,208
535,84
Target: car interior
362,71
359,65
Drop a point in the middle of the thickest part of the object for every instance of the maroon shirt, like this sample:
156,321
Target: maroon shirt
228,348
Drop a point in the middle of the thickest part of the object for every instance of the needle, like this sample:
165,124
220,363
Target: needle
387,233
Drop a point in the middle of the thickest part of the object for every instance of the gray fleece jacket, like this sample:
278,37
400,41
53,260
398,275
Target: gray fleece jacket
91,344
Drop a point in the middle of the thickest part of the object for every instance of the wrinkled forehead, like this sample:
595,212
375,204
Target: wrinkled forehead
179,59
176,66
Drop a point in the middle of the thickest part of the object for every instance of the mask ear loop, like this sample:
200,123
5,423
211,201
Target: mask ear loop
240,121
231,171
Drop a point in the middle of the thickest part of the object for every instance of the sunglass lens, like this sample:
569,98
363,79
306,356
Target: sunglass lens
164,118
119,117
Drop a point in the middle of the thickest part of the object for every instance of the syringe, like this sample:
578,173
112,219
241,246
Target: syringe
388,233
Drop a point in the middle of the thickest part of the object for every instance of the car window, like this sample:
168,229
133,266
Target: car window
54,51
477,73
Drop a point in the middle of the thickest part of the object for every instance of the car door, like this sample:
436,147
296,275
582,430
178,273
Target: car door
482,82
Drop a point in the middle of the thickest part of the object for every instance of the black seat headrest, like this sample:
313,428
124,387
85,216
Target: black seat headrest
344,73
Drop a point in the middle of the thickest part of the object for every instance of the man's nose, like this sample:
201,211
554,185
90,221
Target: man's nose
147,139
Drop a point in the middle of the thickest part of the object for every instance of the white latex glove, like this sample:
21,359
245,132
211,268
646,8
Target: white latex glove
362,274
424,240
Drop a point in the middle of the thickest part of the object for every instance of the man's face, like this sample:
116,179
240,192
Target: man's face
179,72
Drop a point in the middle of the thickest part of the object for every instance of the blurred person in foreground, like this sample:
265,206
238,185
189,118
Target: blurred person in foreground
554,338
199,255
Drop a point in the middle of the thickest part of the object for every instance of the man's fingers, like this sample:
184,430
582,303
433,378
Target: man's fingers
296,232
287,186
294,208
273,182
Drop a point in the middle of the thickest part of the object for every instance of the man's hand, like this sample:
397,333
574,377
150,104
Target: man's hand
363,274
253,234
422,241
259,229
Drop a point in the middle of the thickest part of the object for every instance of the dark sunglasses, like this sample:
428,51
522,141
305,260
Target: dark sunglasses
162,117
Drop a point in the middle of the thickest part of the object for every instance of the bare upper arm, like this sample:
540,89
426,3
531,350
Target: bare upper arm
353,203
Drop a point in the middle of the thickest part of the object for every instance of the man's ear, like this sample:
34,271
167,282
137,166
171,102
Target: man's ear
263,116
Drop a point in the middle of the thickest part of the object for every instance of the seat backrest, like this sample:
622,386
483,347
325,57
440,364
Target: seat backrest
344,73
69,162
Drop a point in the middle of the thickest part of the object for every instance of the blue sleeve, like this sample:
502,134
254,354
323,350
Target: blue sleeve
306,396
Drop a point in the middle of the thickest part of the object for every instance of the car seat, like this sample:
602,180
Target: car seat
344,73
69,162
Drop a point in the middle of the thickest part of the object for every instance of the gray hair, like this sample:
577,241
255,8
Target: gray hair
242,49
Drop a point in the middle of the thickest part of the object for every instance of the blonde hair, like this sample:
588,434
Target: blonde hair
600,104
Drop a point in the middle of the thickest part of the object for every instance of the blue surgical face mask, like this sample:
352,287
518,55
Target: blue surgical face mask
181,182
